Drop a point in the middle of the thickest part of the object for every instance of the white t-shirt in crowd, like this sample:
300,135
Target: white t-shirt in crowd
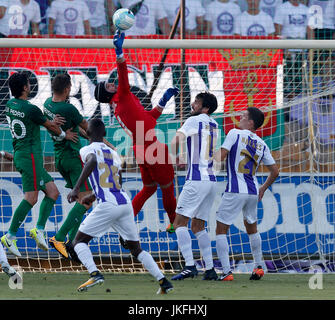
270,6
70,16
294,20
18,17
146,18
260,24
193,9
223,17
97,11
323,11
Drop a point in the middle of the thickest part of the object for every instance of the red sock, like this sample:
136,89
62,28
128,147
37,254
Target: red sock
142,197
169,202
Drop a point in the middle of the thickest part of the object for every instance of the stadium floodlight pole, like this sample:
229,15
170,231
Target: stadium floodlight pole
158,74
183,64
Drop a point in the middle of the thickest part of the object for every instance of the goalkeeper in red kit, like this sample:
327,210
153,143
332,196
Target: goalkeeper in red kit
152,156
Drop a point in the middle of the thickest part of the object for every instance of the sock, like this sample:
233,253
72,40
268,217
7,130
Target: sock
73,220
45,209
169,202
205,248
185,245
149,263
3,257
256,248
85,256
142,197
222,249
19,216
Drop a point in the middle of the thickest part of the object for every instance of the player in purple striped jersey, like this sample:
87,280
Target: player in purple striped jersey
244,151
197,196
114,208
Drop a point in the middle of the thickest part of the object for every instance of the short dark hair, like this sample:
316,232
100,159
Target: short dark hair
16,83
96,128
60,82
257,116
208,101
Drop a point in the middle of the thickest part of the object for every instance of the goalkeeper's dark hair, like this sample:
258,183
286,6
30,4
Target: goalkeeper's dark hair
208,101
16,83
96,128
60,82
101,94
257,116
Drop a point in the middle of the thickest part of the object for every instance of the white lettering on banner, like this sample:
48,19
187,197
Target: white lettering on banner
288,194
88,103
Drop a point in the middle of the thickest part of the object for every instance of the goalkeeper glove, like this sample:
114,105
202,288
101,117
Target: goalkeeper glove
118,42
167,96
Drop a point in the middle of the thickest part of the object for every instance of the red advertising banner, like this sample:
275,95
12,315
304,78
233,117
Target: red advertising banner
251,81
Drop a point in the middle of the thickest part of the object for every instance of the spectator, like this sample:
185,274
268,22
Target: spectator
254,22
194,15
149,15
101,16
323,12
221,17
69,17
292,21
270,6
18,16
44,5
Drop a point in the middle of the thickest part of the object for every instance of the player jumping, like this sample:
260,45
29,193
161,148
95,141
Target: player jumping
114,209
151,155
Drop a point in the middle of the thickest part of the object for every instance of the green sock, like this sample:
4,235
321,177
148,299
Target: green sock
45,209
73,219
19,216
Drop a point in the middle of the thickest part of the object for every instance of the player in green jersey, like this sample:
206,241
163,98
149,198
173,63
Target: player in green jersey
24,121
67,157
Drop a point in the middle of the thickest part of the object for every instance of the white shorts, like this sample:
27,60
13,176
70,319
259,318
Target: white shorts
233,203
196,199
106,215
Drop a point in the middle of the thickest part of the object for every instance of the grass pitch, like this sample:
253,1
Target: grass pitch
62,286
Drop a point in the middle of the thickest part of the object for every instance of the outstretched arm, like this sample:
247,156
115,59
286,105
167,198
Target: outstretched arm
169,93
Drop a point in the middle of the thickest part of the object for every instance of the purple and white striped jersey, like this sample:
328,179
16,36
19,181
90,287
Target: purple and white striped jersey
104,178
201,133
246,151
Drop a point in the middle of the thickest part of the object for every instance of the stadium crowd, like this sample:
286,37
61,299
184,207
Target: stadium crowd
284,18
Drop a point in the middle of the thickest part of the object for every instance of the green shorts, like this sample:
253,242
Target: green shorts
70,168
30,166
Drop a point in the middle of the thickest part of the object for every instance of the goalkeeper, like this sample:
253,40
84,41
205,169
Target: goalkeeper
152,156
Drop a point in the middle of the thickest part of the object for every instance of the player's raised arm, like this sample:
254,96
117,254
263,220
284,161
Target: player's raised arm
118,43
169,93
6,155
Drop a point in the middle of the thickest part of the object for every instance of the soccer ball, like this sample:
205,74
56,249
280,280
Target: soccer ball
123,19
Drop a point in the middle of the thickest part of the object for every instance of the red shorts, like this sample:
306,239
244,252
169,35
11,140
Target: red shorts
162,174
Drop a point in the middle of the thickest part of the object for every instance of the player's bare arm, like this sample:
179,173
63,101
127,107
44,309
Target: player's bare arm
68,134
91,162
274,173
88,199
221,155
6,155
